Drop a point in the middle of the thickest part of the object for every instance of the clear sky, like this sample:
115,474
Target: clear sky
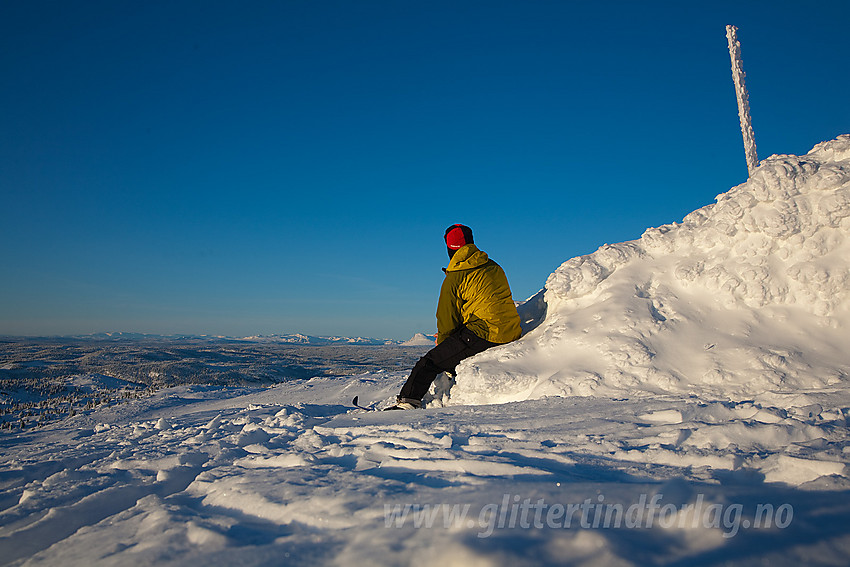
254,167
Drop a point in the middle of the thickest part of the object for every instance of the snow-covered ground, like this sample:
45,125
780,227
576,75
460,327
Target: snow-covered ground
289,475
678,400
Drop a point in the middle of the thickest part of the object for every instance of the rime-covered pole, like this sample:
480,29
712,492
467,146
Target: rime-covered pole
743,98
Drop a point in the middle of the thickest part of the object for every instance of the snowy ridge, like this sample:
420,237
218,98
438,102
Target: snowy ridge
746,297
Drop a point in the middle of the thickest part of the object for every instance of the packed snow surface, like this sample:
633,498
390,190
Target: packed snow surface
677,400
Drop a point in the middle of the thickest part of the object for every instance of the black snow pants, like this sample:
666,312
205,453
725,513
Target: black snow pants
444,357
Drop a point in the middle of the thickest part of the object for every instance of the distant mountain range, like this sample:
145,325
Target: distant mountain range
314,340
419,339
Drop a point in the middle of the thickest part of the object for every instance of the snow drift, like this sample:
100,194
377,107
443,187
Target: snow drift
745,298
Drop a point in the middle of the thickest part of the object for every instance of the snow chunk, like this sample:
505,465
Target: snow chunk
663,416
796,471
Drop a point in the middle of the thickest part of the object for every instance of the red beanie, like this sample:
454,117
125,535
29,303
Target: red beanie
457,236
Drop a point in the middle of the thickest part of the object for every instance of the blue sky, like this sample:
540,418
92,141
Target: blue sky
268,167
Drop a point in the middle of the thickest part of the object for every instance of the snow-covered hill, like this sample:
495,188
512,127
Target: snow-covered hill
747,298
681,399
419,339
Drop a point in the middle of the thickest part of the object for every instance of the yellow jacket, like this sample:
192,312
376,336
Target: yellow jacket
476,294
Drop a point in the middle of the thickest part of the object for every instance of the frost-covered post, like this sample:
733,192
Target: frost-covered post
743,98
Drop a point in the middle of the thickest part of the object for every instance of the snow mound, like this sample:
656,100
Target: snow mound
745,298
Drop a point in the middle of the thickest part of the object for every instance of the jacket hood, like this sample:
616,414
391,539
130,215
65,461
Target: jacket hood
467,258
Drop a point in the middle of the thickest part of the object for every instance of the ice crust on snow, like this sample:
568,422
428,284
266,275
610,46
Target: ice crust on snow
745,297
